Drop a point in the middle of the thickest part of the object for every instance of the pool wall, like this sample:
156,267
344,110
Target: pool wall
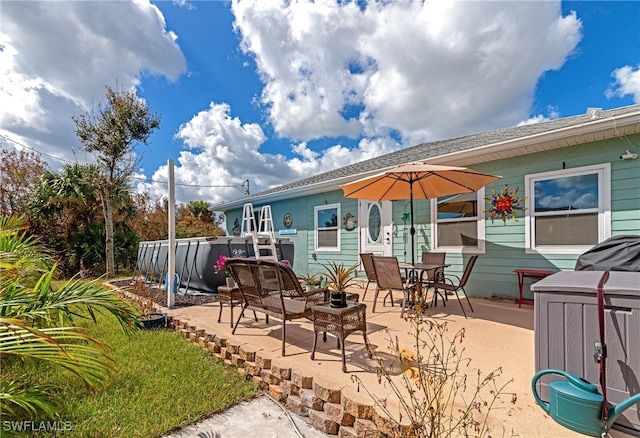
196,257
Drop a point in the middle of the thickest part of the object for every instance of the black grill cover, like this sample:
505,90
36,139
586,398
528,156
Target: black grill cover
618,253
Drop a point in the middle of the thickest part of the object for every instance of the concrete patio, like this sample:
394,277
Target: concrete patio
497,334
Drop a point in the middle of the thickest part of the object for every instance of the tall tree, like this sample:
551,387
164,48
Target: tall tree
19,173
195,219
112,133
64,205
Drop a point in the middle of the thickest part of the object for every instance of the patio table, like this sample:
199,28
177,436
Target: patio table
422,268
340,322
531,273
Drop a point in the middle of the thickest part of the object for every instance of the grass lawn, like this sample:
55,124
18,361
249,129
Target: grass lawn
161,382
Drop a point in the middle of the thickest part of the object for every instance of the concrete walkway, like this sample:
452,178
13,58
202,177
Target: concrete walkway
262,417
497,335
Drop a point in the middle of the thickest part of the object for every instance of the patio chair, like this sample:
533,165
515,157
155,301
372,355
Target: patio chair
389,278
433,258
448,285
272,288
367,263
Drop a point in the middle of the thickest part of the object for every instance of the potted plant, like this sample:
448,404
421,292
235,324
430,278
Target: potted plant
339,278
220,267
310,280
149,316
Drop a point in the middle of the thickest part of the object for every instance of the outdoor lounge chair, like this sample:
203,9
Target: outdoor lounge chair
389,278
272,288
367,263
448,285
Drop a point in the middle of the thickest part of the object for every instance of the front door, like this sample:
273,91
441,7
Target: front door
375,227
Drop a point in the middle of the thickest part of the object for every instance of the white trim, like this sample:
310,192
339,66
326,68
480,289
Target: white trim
337,228
604,208
480,229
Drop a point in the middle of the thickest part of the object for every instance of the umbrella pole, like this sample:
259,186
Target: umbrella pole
412,231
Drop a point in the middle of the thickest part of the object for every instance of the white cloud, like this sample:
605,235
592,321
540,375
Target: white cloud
57,57
414,70
223,152
552,111
627,82
425,69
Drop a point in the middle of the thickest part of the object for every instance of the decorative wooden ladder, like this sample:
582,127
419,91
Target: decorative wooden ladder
263,236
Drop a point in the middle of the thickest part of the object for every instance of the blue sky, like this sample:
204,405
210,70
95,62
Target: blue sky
274,91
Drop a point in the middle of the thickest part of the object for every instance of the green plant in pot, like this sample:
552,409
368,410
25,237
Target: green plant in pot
310,280
339,278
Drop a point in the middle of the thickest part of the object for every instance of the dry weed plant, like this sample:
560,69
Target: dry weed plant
436,396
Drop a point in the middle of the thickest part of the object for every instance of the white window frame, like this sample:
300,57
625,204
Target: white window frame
480,228
604,208
316,228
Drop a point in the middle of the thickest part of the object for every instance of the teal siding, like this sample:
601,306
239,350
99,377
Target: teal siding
306,259
348,254
504,252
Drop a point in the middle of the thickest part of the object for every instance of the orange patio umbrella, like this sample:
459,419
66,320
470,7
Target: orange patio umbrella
417,180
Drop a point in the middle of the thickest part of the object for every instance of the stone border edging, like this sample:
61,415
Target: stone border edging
329,410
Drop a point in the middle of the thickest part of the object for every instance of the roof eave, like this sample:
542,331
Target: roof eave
598,129
603,129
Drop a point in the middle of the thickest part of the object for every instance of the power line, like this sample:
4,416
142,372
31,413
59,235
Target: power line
244,187
6,138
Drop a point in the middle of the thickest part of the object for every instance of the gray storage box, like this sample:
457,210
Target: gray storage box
566,328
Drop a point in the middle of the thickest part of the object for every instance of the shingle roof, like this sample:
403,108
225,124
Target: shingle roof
437,148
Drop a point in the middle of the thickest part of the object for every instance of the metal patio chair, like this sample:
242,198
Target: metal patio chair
448,285
389,278
367,263
434,258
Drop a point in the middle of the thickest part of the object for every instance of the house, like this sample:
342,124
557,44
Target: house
578,181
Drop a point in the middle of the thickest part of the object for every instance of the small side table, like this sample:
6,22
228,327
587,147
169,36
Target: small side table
531,273
230,295
340,322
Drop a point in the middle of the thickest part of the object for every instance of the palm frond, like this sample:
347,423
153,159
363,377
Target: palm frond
67,347
20,253
75,298
34,316
32,399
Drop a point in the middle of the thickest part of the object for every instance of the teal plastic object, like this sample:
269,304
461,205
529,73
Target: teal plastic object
176,282
577,405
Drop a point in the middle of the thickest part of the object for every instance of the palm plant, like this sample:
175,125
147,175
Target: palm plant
339,277
36,320
310,280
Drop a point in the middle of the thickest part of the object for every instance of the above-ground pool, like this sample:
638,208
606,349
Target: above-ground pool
196,258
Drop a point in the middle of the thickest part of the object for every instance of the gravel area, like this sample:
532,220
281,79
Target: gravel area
159,296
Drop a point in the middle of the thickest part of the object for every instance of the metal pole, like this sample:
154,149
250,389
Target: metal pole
413,230
171,260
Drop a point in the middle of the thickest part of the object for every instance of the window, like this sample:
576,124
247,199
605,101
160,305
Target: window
374,230
568,211
327,228
457,225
